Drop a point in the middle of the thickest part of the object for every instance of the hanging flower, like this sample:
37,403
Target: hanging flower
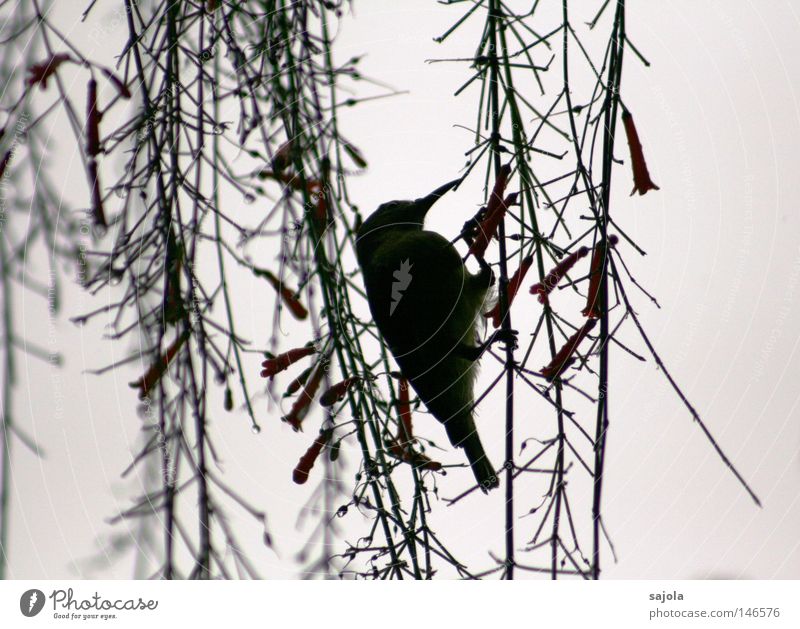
489,225
592,309
406,454
405,432
299,381
318,193
146,383
97,196
495,211
174,309
283,157
306,462
92,120
511,291
39,73
337,392
355,155
301,405
641,177
552,279
271,366
287,295
563,358
401,446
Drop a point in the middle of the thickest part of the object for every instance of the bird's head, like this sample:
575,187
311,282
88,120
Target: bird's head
398,216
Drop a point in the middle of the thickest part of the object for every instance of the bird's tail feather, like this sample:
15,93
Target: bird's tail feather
479,462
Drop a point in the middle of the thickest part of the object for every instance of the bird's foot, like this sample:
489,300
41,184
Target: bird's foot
509,337
485,274
470,352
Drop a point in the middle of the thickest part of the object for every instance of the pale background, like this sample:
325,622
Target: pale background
718,116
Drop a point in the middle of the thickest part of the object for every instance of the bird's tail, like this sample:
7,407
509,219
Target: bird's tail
473,448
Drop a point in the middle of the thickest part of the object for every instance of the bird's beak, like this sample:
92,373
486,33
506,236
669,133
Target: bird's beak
426,203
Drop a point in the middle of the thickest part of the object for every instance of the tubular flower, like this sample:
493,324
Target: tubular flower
299,381
417,459
405,433
355,155
511,291
306,462
563,358
337,392
287,295
283,157
318,193
552,279
641,176
592,309
495,210
97,196
92,120
39,73
301,405
400,447
146,383
271,366
489,225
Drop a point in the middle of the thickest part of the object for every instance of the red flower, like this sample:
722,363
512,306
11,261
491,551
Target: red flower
405,432
306,462
641,177
407,455
294,385
318,193
592,309
301,405
97,196
495,210
146,383
92,120
563,358
400,447
513,287
41,72
271,366
355,155
552,279
282,158
287,295
337,392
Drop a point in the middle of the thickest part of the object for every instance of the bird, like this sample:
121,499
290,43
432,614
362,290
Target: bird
426,305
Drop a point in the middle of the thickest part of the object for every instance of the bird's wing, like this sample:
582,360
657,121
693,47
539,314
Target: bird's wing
417,286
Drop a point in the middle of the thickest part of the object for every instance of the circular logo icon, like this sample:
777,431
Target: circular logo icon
31,602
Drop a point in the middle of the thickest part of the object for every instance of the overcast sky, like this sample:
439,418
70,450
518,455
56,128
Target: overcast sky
718,115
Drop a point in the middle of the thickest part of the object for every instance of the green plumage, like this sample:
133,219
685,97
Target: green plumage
426,305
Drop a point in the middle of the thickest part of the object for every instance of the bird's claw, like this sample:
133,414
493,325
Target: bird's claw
486,272
509,337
